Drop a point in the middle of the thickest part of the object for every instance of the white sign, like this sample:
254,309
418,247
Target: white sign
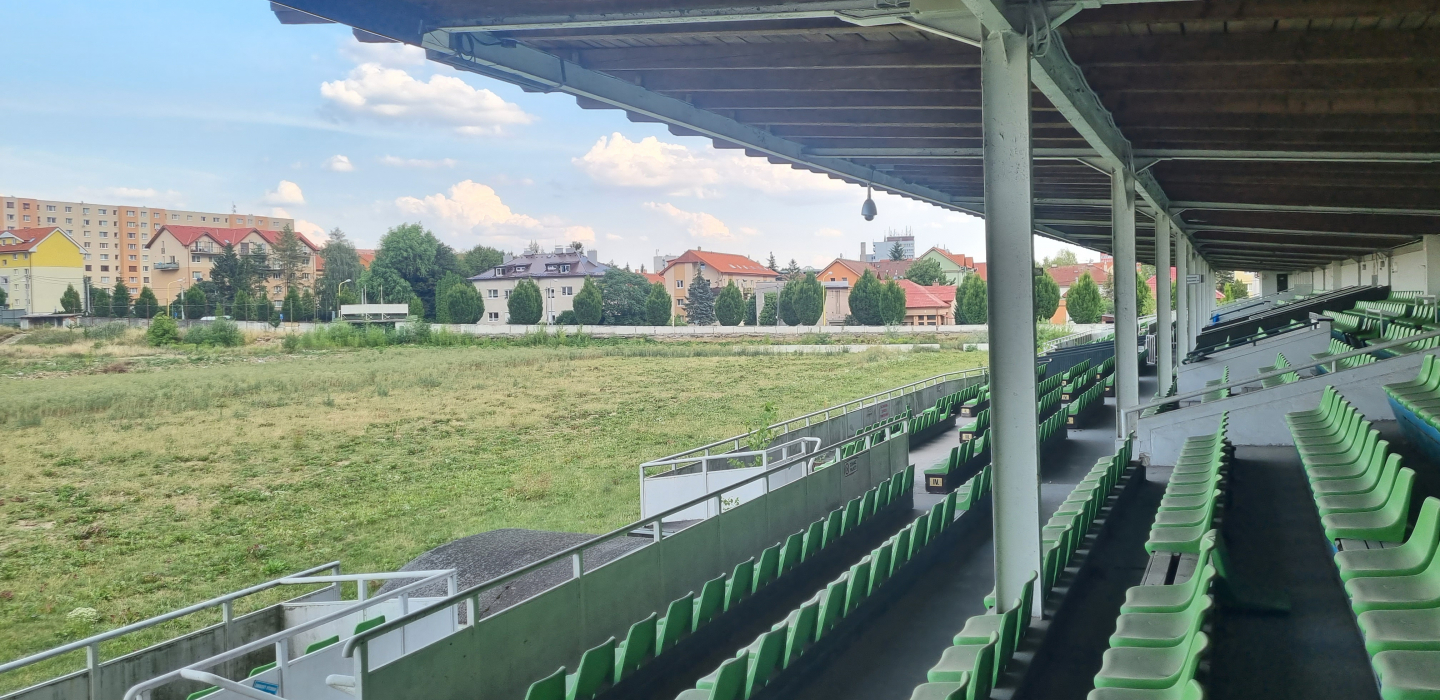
1193,279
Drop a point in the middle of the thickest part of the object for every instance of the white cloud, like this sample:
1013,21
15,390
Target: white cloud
286,192
312,232
679,170
390,55
396,162
830,233
147,196
472,211
699,224
340,164
393,95
614,237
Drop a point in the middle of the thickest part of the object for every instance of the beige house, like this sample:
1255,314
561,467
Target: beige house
559,275
37,265
718,268
180,256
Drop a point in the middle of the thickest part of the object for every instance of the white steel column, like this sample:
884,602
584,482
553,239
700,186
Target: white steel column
1009,250
1182,301
1164,361
1122,241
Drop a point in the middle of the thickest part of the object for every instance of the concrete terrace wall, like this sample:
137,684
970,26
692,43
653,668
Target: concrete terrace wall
500,656
703,331
1246,360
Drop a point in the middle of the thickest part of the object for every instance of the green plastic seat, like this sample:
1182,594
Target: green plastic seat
921,534
595,673
1400,630
1172,598
832,605
972,664
637,647
369,624
1386,523
901,552
1410,558
728,683
1160,629
833,526
941,691
879,565
1369,448
1411,592
1153,668
676,623
317,646
202,693
792,552
768,567
261,669
1359,484
1302,418
1372,499
1408,675
766,658
739,586
710,603
800,629
1188,690
850,519
814,539
551,687
859,584
1183,538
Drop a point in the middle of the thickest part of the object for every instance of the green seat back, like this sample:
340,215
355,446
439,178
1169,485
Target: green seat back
768,568
790,554
767,656
867,505
814,539
202,693
371,623
880,565
859,584
802,629
921,536
261,669
596,672
739,585
551,687
851,517
710,602
832,606
317,646
833,526
902,548
638,647
730,680
676,623
937,520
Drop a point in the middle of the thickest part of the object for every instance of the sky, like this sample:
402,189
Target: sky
213,105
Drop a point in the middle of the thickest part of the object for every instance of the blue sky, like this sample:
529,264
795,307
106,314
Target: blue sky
201,105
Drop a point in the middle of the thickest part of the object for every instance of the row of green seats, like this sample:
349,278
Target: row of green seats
977,426
312,648
974,405
1360,489
888,421
1092,397
1156,647
1075,370
1174,387
758,663
1217,394
1338,347
1401,331
1391,308
1079,383
1278,380
1048,384
944,408
610,662
937,477
1187,511
1048,402
1422,395
1052,427
1395,591
977,657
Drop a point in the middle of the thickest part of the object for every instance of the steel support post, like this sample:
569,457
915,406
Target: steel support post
1182,302
1009,249
1122,235
1164,360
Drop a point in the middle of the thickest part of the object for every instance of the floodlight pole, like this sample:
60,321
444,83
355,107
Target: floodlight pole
1009,247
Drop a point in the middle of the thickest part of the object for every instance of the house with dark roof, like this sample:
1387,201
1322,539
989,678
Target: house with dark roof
177,257
559,275
719,269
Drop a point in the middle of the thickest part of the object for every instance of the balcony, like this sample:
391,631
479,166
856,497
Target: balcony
172,265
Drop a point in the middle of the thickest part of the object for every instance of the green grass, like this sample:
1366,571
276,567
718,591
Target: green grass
193,475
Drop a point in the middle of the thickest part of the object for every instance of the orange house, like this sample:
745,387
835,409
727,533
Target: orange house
719,270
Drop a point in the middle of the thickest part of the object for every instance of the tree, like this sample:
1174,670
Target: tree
163,331
307,306
892,303
70,300
461,303
566,318
99,302
808,300
416,256
1223,278
623,296
1236,290
242,308
1083,302
977,301
417,309
700,304
1064,256
526,306
146,305
290,308
232,273
771,263
198,306
926,272
751,314
769,313
479,259
120,299
450,281
791,270
865,299
533,248
657,305
730,305
589,304
382,283
786,307
4,299
1047,297
290,253
897,252
1144,298
342,263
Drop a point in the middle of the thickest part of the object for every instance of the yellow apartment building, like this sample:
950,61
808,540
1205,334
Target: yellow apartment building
36,266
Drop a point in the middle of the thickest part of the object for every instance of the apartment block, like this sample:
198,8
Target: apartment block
559,275
181,256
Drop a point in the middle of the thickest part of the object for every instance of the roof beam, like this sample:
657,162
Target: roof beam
1197,228
1157,154
1299,208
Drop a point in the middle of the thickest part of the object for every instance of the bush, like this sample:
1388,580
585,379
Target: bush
566,318
1083,301
865,300
892,303
219,333
808,300
588,304
1047,297
163,330
109,331
730,305
526,307
657,305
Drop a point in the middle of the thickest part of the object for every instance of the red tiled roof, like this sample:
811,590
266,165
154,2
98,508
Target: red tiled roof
653,277
856,266
929,297
222,236
367,256
892,269
723,263
958,258
1066,275
981,270
29,238
1151,281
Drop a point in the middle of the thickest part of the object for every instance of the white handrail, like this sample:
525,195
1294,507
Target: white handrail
227,684
286,634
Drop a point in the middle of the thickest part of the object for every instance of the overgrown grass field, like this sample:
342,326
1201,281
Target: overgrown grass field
140,492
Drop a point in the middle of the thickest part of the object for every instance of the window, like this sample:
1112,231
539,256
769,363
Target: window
130,213
191,217
130,246
104,268
679,284
25,206
549,292
199,277
145,256
69,220
104,279
146,280
174,217
104,256
278,289
567,291
144,225
25,217
87,268
131,257
104,234
494,315
564,268
84,210
104,211
87,244
130,224
49,207
9,217
104,245
9,205
132,281
69,209
194,258
103,222
507,293
49,219
87,234
144,268
132,268
492,293
87,222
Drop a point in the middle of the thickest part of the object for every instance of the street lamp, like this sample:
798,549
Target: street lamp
182,295
337,299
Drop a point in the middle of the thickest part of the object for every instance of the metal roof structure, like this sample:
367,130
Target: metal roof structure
1277,134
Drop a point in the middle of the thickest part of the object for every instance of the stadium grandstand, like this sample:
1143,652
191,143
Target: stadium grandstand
1247,511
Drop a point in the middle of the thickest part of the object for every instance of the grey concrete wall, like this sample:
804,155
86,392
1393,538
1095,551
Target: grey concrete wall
1258,417
500,656
842,427
503,330
1246,360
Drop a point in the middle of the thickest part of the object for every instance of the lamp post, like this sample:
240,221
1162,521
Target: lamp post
337,299
180,281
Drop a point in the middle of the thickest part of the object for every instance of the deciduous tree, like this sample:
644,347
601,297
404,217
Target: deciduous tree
146,305
926,272
69,301
623,296
1083,301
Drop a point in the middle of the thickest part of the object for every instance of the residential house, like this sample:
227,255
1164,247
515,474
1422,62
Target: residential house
932,305
954,265
839,276
560,275
37,265
719,270
177,257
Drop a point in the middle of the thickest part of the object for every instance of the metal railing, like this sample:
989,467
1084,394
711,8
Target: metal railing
807,445
226,603
739,441
575,554
1251,339
281,640
1331,361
